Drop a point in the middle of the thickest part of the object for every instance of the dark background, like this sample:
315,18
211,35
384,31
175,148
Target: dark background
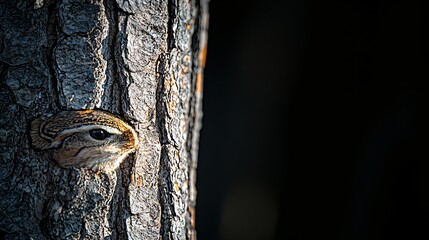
311,125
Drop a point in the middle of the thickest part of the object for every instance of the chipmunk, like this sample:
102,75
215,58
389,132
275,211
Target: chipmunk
87,138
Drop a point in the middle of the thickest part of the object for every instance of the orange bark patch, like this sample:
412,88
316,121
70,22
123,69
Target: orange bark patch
203,56
136,180
199,87
192,212
176,187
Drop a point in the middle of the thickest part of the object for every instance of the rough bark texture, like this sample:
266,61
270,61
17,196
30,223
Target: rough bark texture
142,60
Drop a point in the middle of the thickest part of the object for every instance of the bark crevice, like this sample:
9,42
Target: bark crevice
4,67
172,13
52,34
164,177
123,204
165,198
112,70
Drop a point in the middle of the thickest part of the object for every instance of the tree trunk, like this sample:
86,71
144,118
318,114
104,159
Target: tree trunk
141,60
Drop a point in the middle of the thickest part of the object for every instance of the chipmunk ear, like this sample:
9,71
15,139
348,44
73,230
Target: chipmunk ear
39,143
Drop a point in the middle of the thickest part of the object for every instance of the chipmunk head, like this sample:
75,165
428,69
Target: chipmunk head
89,138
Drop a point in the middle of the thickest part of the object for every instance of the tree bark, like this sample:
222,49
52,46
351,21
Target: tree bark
142,60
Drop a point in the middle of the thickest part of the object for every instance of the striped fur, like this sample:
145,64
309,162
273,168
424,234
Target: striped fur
67,136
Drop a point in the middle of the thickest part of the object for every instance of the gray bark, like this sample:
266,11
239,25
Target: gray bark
142,60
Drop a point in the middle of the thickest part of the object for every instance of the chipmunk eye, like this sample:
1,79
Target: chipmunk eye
99,134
